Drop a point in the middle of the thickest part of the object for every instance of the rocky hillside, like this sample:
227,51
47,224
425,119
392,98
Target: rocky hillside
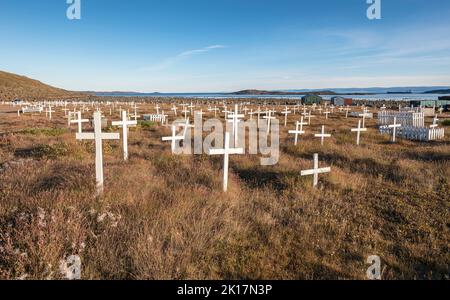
14,86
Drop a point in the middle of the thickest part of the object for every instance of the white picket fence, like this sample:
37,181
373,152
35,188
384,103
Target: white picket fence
416,133
32,109
358,114
155,118
407,119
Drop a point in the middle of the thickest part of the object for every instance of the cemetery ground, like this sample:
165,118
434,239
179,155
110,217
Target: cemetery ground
164,216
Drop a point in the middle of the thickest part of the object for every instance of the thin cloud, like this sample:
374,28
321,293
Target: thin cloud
168,62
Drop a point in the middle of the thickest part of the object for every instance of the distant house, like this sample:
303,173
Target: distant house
18,102
310,99
430,103
341,101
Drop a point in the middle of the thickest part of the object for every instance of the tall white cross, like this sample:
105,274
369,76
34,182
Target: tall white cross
298,130
316,171
98,136
322,135
79,121
394,129
124,124
157,109
358,131
226,152
285,112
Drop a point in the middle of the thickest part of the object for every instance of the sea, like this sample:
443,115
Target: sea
381,97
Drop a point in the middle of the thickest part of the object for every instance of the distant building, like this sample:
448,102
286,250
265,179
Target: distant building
341,101
310,99
430,103
18,101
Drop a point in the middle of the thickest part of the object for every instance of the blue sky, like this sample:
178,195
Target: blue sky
226,45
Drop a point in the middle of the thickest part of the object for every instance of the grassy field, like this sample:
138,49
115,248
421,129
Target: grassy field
165,217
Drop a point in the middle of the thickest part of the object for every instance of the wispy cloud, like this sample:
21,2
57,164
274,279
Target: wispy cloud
170,61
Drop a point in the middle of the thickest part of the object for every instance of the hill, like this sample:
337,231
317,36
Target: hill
14,86
259,92
444,91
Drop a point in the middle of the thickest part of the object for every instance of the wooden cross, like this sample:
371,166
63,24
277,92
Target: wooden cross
79,121
49,111
174,109
285,113
191,107
316,171
235,119
215,109
309,118
358,131
98,136
185,111
226,152
394,128
435,122
174,137
347,109
269,118
322,135
298,130
124,124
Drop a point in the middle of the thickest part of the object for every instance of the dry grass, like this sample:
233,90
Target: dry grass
165,217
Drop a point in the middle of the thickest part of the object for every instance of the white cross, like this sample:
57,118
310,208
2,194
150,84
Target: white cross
326,114
79,121
124,124
322,135
215,109
347,109
364,115
298,130
316,171
185,111
69,117
234,119
49,111
435,122
174,137
174,109
394,128
191,107
157,109
358,130
285,113
269,119
226,152
98,136
309,118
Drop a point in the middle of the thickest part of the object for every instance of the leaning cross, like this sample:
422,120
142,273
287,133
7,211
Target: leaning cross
315,171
